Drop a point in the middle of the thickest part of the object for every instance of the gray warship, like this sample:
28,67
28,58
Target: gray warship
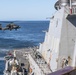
57,54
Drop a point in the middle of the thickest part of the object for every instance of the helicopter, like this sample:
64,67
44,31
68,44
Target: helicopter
11,26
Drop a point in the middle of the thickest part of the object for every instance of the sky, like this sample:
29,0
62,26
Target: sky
26,9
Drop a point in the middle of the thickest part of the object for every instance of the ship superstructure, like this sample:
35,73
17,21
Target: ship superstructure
59,46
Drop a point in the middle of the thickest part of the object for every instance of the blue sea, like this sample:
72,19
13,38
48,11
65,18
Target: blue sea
30,34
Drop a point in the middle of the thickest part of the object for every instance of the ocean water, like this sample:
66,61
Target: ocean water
30,34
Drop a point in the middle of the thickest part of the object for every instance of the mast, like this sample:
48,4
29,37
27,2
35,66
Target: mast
70,7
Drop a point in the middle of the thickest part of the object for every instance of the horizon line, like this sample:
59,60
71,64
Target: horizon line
24,20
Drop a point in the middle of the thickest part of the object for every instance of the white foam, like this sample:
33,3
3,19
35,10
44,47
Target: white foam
4,50
2,58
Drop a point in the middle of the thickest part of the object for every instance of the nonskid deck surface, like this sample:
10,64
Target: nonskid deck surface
22,56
